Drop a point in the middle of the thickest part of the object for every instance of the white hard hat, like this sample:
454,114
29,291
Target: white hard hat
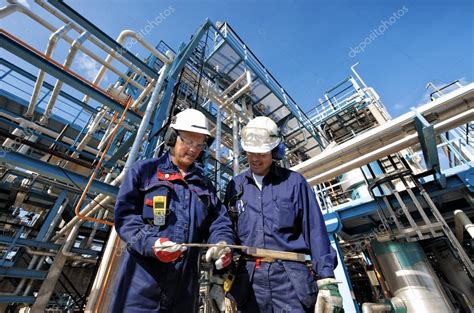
260,135
191,120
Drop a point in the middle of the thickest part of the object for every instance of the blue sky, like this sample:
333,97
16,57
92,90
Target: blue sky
307,44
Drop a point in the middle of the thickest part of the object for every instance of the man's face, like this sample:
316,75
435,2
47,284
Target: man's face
260,163
187,148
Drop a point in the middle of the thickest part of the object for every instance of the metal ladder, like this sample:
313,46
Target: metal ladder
413,215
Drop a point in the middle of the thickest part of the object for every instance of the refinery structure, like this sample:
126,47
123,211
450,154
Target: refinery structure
397,195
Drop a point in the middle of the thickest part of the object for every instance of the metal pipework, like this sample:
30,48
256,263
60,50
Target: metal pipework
394,305
16,7
410,277
151,106
57,87
461,222
375,308
452,110
108,60
342,163
53,40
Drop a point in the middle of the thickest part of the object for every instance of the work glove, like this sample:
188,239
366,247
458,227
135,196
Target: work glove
222,255
329,299
167,251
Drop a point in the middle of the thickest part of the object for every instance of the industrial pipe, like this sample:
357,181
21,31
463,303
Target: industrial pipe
57,87
53,40
455,103
375,308
16,7
461,222
348,164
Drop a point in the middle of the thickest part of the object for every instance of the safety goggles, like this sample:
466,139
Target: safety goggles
190,144
252,136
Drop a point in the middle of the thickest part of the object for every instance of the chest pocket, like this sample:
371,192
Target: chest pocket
203,204
286,217
161,188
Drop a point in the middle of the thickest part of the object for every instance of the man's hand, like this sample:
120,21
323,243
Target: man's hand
329,299
222,255
167,251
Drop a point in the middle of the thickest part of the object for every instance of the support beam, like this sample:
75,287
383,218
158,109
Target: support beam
55,172
22,273
37,59
427,138
42,245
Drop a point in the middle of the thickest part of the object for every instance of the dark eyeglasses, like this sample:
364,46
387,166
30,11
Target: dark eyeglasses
190,144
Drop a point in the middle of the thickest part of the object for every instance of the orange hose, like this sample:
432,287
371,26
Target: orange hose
94,173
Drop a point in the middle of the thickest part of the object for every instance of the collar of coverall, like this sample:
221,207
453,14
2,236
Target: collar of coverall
274,170
167,170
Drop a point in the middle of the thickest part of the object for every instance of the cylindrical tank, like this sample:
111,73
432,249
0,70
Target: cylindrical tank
354,180
410,277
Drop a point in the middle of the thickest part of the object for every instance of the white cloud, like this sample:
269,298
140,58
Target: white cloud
24,2
89,67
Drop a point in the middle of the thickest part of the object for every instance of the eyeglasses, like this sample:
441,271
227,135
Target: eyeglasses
190,144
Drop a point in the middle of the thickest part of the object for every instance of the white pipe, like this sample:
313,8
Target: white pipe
31,264
57,87
148,88
30,285
167,59
137,144
53,40
235,141
22,9
241,91
460,100
108,60
461,222
350,164
375,307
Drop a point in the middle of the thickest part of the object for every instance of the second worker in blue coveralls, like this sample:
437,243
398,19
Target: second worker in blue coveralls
275,208
162,202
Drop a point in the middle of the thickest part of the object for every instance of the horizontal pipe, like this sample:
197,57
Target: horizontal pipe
393,147
455,103
375,307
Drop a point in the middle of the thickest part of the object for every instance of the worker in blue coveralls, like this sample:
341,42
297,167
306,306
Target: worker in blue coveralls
275,208
162,203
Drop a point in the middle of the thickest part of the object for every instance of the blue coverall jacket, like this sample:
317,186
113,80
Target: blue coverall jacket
195,214
283,216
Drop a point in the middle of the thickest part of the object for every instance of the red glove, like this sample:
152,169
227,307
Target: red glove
222,255
167,251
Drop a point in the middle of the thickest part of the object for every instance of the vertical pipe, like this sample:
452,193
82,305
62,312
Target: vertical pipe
218,148
151,106
57,87
53,40
235,141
